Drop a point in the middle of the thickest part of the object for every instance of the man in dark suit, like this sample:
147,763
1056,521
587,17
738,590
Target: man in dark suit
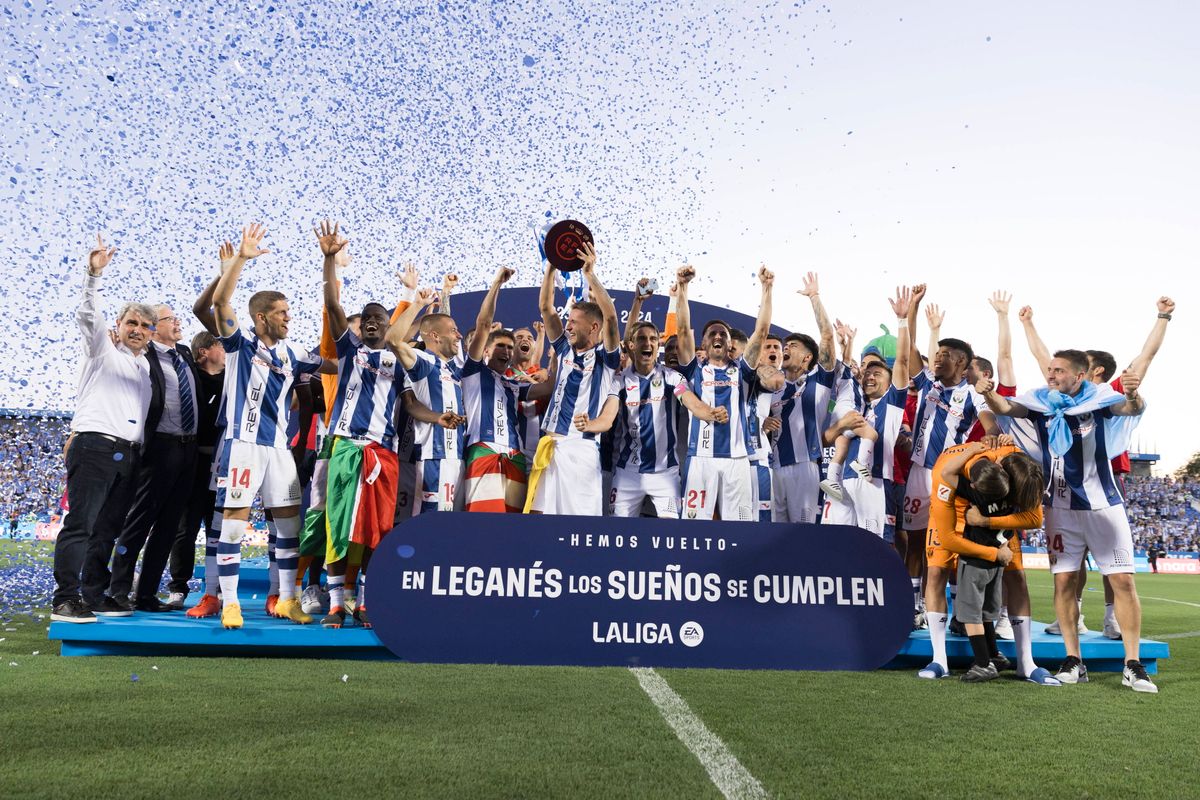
166,470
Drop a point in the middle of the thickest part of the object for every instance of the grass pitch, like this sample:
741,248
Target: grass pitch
256,728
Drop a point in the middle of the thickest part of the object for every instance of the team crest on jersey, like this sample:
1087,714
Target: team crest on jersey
731,371
958,397
944,493
656,383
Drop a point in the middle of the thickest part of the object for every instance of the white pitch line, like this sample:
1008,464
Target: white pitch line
1188,635
1169,600
727,773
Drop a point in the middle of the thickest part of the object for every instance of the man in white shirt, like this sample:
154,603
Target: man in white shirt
106,436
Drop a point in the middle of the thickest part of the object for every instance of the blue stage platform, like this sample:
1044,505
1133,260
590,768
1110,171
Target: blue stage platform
146,634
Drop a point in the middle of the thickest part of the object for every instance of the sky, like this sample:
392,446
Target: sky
1044,149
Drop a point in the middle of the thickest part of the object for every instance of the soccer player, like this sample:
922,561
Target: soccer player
947,407
864,500
360,495
527,357
718,477
496,470
1076,425
814,378
1102,368
435,375
565,477
762,426
647,465
260,370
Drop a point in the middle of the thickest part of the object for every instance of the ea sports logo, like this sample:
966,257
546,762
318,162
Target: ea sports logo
691,634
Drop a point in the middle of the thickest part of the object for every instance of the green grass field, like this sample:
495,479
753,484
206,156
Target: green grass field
230,728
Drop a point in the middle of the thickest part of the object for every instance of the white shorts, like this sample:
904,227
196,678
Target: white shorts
865,506
796,489
761,481
252,469
571,484
718,484
437,485
1104,533
916,498
630,488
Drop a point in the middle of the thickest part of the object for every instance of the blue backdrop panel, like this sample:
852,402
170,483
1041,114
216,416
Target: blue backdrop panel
598,592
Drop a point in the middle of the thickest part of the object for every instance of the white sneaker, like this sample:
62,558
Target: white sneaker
1136,677
310,600
1080,627
1072,670
1112,630
176,600
1004,629
834,490
862,469
1053,629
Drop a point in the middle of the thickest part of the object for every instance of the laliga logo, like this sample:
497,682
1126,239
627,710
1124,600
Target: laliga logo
691,634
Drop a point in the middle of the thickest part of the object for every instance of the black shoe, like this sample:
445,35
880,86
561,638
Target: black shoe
151,604
112,607
72,610
978,674
360,616
1001,662
957,628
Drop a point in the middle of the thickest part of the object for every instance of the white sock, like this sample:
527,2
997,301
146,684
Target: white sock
866,451
833,473
937,636
272,567
229,558
918,600
287,554
1004,612
362,596
337,591
1024,643
1110,616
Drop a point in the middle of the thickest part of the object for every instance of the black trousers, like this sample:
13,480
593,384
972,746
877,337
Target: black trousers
101,477
164,485
199,512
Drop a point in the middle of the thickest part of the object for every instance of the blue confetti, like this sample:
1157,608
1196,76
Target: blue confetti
134,677
529,61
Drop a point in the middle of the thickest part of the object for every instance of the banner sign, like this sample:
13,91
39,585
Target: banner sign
605,591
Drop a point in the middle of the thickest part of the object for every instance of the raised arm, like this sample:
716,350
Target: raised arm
550,319
683,315
635,310
600,296
914,355
1041,353
449,283
539,343
91,321
812,291
331,244
396,340
935,317
409,280
249,248
901,369
1166,307
1005,373
762,325
845,336
203,307
487,310
1000,406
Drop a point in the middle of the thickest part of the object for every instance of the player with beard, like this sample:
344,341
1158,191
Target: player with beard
647,463
864,497
527,356
260,370
762,424
496,475
814,380
717,478
565,478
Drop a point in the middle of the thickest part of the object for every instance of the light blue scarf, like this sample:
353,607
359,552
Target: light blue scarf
1058,405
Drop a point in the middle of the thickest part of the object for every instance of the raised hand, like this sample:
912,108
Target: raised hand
225,254
642,289
934,316
1025,314
918,293
902,302
342,259
538,326
99,258
811,287
684,275
1166,305
766,277
408,276
328,239
426,296
587,254
503,275
449,282
495,327
251,246
1000,301
673,290
845,333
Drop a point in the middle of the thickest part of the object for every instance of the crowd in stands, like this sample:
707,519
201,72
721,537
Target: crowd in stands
1164,512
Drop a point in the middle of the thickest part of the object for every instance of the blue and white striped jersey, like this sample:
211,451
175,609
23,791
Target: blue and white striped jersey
648,417
945,416
438,384
1082,478
885,414
492,405
366,392
728,387
804,407
258,388
584,381
758,410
